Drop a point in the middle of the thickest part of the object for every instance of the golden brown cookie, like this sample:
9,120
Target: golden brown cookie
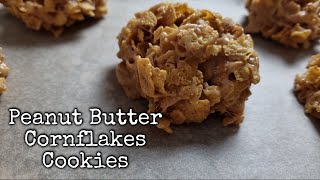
307,87
294,23
187,63
54,15
4,70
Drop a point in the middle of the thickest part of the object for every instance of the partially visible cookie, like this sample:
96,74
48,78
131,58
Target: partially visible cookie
307,87
294,23
54,15
4,70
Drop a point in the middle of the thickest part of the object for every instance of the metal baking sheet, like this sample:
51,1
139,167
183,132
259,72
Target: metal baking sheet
276,139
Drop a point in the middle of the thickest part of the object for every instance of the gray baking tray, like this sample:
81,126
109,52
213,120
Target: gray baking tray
276,139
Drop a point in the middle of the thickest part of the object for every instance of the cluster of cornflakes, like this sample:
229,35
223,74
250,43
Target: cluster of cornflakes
54,15
294,23
4,70
307,87
187,63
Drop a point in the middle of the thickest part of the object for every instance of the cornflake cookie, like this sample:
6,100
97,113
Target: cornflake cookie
307,87
4,70
187,63
54,15
294,23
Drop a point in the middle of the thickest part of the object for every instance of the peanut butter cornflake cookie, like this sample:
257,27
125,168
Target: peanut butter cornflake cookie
54,15
307,87
187,63
294,23
4,70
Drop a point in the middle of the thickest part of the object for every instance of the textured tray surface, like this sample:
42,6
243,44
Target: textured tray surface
276,140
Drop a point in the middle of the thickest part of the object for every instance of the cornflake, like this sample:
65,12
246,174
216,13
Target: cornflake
4,70
307,87
54,15
187,63
294,23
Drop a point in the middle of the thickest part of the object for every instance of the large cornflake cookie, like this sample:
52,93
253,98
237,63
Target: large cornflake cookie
307,87
187,63
54,15
294,23
4,70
